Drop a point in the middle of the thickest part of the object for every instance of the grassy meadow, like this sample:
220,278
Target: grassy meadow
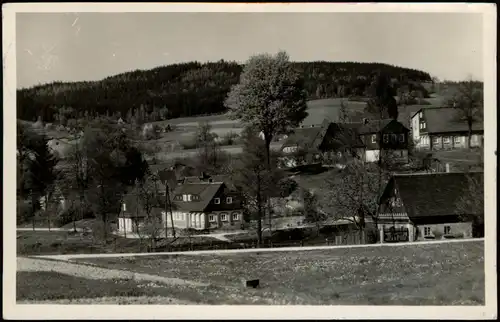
428,274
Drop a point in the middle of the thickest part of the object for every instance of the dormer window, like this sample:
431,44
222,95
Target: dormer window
217,201
420,114
386,138
189,197
124,207
374,138
184,197
401,138
229,200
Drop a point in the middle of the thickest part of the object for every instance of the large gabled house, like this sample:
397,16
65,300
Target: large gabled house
207,205
440,128
333,140
425,205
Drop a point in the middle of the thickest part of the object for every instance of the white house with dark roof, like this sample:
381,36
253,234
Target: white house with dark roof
440,128
425,205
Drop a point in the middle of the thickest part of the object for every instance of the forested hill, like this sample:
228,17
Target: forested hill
188,89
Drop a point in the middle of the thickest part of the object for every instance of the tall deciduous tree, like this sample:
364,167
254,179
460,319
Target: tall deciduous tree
468,102
382,103
270,97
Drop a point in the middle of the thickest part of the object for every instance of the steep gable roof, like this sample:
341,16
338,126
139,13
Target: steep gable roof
433,195
304,137
446,119
205,190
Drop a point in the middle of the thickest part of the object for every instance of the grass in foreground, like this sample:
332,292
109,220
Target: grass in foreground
441,274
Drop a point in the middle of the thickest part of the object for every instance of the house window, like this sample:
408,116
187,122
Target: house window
374,138
386,138
223,216
446,139
435,140
427,231
189,197
457,139
229,200
124,207
401,138
211,218
420,114
447,230
217,201
235,216
184,198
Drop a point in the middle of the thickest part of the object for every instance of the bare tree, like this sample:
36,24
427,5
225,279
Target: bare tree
352,194
468,102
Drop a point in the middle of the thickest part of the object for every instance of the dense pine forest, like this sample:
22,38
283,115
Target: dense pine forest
190,89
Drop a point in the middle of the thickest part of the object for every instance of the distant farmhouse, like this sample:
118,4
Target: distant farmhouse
441,129
425,206
333,140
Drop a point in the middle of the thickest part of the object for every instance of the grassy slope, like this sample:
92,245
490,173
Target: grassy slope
440,274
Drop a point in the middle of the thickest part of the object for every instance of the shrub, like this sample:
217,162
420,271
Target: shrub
437,234
24,212
66,216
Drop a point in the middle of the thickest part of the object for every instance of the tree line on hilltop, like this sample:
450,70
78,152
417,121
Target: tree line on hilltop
191,89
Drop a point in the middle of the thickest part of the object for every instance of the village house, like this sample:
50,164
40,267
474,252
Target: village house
440,128
201,205
424,206
387,138
207,205
340,141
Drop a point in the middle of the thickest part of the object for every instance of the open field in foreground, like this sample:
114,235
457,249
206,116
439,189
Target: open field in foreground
439,274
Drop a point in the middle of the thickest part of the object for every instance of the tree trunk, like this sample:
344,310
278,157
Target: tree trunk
33,209
259,213
469,134
47,211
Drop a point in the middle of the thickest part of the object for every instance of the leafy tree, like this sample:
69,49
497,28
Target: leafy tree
471,203
269,97
468,102
113,165
38,167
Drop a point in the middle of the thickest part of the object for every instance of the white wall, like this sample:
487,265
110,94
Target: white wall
372,155
415,127
125,225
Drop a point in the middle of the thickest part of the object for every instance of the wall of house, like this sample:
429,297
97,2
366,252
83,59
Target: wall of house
225,219
456,228
372,155
453,141
125,225
415,129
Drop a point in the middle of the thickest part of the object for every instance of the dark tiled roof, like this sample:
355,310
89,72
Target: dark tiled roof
373,126
434,195
303,136
446,119
206,191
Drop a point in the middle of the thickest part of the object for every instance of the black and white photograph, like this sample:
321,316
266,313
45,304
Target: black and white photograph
250,160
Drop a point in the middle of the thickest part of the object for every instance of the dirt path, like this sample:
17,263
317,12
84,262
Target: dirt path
93,272
256,250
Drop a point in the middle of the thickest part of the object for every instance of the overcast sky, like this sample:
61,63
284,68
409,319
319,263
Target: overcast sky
91,46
